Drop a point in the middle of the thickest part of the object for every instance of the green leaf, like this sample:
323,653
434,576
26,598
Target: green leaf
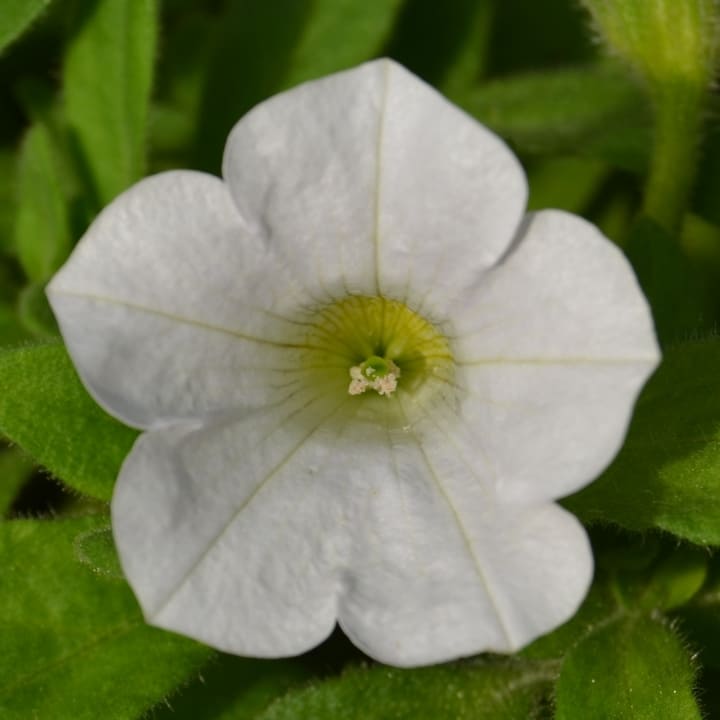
95,549
107,81
458,37
700,239
45,410
234,688
673,580
16,16
673,286
538,34
34,312
666,476
633,668
469,63
42,228
316,37
75,646
249,38
340,34
593,110
8,168
496,690
700,619
11,329
565,183
15,469
707,186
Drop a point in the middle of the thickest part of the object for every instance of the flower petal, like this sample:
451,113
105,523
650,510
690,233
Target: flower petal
233,534
248,534
552,349
370,182
441,570
160,304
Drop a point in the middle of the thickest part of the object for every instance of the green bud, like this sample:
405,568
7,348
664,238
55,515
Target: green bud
665,40
673,46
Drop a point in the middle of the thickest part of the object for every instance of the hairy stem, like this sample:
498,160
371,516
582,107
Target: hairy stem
679,111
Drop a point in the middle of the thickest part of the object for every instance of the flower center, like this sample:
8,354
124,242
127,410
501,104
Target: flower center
376,373
375,346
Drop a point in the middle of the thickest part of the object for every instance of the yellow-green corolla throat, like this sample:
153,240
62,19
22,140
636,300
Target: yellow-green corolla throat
377,346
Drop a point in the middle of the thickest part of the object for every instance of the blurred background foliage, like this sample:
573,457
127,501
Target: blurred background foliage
95,94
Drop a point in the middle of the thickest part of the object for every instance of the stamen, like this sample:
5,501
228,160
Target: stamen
376,373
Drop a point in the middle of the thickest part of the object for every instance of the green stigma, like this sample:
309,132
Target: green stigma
376,367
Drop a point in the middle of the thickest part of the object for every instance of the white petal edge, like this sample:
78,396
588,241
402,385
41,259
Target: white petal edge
442,571
552,349
233,534
370,182
165,306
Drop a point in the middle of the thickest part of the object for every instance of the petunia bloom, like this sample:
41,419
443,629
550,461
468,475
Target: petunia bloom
364,375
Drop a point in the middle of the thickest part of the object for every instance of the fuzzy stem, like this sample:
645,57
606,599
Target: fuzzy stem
679,111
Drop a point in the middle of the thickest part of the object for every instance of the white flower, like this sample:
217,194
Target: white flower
363,376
